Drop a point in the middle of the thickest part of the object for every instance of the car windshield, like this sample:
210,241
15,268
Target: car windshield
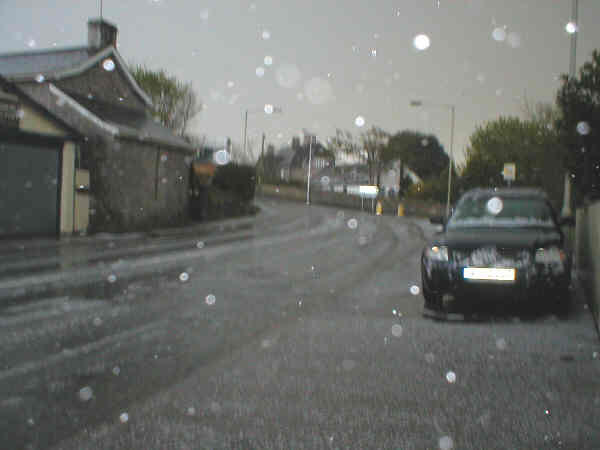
493,211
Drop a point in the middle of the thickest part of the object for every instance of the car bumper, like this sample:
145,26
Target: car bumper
532,282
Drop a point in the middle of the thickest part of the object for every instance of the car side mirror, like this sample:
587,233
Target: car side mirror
567,220
438,220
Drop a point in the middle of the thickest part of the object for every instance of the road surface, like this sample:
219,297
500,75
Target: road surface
300,328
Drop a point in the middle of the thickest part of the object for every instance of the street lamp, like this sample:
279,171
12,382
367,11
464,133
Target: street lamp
268,109
418,103
309,164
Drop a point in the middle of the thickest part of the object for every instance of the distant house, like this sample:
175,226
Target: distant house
294,160
138,169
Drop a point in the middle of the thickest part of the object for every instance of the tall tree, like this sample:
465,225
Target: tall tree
175,102
422,153
532,146
579,126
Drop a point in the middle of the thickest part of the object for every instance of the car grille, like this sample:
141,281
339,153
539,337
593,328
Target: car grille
491,257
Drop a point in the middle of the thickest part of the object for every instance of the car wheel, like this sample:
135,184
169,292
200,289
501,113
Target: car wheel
432,301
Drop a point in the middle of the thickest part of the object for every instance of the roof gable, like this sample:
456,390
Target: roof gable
56,65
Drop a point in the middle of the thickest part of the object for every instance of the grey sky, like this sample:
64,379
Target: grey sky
332,61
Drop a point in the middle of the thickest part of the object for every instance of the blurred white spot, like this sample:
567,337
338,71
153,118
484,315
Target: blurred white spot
269,108
421,42
571,27
499,34
164,158
451,377
210,299
362,240
583,128
20,113
116,370
30,422
429,358
501,344
97,321
318,91
200,244
359,121
28,184
204,14
265,343
266,35
124,417
397,330
268,60
31,43
287,75
183,277
230,84
595,355
108,64
85,393
222,157
424,142
260,72
325,179
394,312
547,412
191,411
40,78
164,180
352,223
299,303
348,364
414,290
374,52
495,205
445,443
355,49
514,40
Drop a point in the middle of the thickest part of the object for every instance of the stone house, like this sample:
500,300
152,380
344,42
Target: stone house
138,169
293,160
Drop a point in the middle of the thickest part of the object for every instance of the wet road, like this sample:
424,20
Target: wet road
294,329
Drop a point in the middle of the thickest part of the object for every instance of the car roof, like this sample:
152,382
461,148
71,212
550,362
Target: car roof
528,192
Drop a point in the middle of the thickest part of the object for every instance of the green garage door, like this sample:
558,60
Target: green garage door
29,188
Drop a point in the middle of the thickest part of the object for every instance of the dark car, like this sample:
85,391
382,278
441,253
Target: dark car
498,244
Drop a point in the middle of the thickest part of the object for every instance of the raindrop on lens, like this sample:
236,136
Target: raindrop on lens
397,330
268,60
414,290
352,223
421,42
116,370
85,393
108,65
266,35
191,411
112,278
445,443
183,277
97,321
501,344
124,417
200,244
583,128
429,357
269,109
40,78
499,34
451,377
359,121
571,27
260,72
210,299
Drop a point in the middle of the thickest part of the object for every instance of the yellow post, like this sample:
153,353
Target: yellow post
379,208
400,209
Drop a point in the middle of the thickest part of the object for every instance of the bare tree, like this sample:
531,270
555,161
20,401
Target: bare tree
374,142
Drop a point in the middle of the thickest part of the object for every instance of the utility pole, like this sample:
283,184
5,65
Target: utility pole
309,164
262,160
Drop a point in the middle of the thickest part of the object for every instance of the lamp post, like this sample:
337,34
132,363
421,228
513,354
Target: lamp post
268,109
309,164
418,103
572,28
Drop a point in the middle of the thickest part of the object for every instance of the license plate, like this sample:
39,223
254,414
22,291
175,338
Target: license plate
489,274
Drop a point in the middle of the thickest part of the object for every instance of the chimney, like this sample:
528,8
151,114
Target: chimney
101,34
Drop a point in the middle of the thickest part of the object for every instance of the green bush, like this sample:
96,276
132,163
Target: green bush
238,179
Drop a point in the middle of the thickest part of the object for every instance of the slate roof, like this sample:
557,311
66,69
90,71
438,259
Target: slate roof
47,62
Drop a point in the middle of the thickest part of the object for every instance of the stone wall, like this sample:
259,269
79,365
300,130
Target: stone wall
136,185
587,256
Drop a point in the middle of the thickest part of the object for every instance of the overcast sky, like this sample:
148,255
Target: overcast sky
325,63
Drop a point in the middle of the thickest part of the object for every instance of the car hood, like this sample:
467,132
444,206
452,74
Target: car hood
498,237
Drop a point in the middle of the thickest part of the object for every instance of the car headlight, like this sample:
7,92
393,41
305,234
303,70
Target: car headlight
437,253
550,255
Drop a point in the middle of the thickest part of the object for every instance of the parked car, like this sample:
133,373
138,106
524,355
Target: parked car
498,244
